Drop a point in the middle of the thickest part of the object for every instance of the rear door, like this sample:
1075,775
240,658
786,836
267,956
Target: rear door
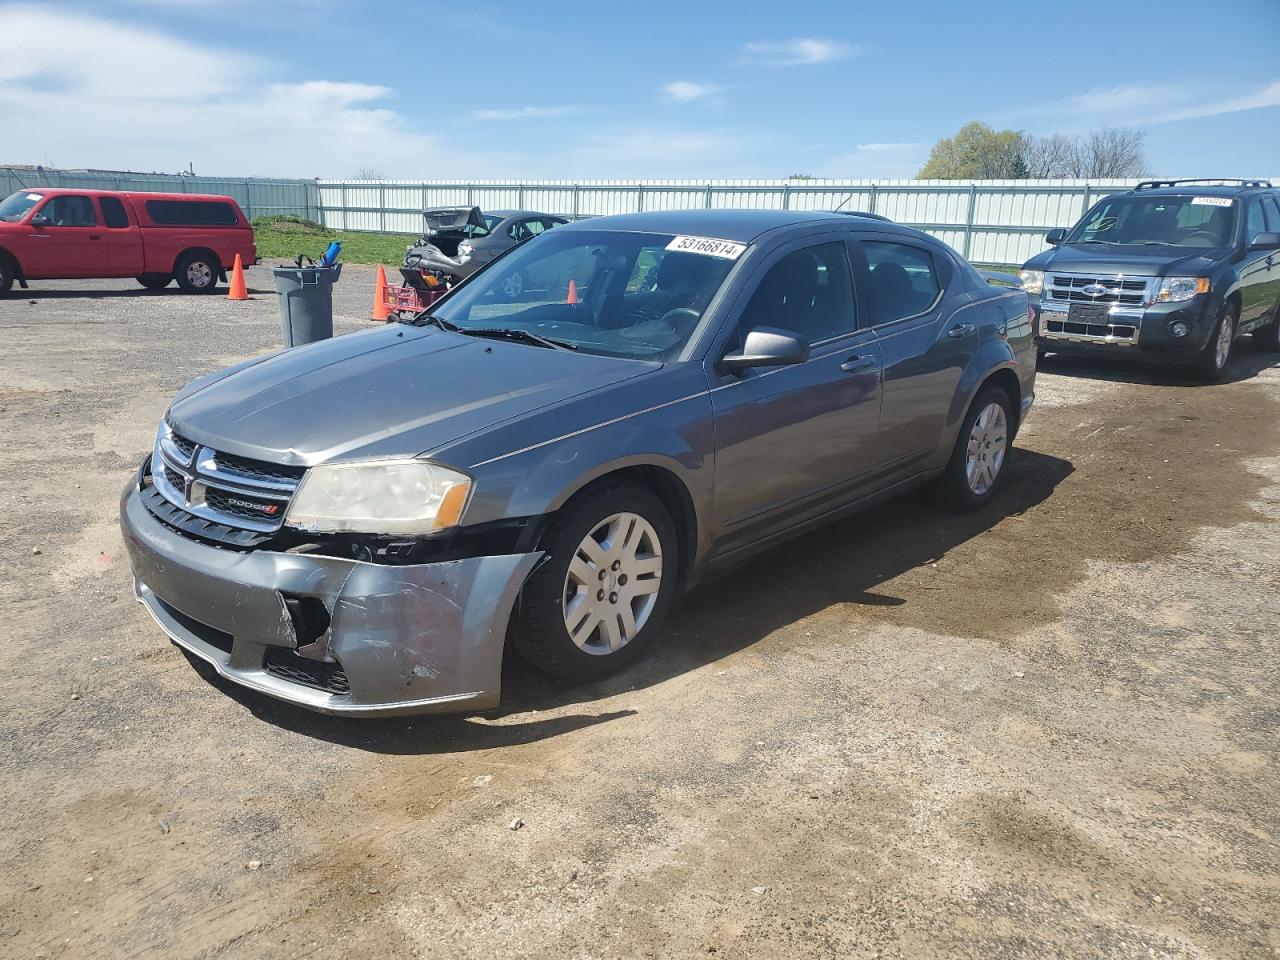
793,442
906,282
70,244
121,237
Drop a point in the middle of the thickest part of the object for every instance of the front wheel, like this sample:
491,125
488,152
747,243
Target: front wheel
198,273
1212,361
155,281
979,459
6,274
604,588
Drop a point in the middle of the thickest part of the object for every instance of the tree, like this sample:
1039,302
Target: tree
1111,152
977,152
369,173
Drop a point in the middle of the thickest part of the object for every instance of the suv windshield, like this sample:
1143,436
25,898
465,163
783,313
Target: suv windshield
15,207
1179,221
610,293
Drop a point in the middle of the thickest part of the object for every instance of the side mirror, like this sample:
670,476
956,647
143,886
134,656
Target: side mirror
40,220
1266,241
766,347
1055,236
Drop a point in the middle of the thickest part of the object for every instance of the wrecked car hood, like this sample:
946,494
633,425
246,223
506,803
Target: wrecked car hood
395,391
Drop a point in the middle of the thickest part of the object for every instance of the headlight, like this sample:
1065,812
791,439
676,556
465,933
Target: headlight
379,496
1032,280
1174,289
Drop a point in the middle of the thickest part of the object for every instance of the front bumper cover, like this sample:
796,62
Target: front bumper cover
420,638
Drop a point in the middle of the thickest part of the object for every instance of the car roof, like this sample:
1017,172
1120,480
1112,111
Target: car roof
1195,190
508,214
141,195
740,226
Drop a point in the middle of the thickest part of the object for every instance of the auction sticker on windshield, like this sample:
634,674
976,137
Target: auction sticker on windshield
708,246
1211,201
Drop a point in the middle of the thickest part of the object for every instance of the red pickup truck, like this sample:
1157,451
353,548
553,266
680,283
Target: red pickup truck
48,234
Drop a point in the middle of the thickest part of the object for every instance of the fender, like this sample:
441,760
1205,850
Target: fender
18,275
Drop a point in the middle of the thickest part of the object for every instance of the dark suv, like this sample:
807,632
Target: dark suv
1172,270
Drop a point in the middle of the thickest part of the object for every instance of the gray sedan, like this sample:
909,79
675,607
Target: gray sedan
360,526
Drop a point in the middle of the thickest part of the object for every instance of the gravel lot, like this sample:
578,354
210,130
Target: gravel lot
1045,730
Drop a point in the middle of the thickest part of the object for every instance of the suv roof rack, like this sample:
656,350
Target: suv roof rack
1220,181
863,213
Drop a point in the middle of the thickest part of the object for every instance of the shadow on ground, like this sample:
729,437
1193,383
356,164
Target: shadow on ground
843,563
1245,363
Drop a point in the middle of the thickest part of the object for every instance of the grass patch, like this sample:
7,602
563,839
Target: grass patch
284,237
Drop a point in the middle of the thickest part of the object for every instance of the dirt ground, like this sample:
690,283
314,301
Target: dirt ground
1045,730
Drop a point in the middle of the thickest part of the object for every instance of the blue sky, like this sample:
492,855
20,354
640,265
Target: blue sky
600,90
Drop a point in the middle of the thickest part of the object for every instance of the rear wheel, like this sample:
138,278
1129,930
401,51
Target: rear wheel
197,273
155,281
1212,361
605,587
979,459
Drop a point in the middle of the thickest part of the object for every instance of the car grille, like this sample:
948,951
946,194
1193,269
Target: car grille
226,492
287,665
1115,291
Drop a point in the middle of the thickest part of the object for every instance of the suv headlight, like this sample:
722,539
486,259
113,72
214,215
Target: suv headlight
379,496
1032,280
1175,289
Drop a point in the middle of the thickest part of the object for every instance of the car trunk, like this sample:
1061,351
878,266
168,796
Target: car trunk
446,227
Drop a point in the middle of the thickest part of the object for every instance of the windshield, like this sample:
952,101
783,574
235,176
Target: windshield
15,207
604,292
1184,221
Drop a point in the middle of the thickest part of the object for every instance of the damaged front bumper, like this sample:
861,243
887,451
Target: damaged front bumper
419,638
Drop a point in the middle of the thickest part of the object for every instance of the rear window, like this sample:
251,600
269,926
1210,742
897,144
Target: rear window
191,213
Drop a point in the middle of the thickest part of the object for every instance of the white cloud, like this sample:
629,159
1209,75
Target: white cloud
800,50
123,96
1139,104
522,113
684,91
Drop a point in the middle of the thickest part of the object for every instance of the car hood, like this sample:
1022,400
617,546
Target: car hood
1114,258
395,391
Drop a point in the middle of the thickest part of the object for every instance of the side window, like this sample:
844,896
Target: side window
904,280
519,231
1271,207
113,214
191,213
809,292
70,212
1254,222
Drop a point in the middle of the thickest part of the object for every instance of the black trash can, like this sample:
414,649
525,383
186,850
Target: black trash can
306,302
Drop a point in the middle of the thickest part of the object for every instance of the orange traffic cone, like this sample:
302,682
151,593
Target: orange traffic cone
380,311
238,290
573,293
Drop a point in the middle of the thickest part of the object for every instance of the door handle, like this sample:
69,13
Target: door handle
854,364
95,236
961,330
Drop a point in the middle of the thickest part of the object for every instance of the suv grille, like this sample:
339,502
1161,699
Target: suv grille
223,490
1115,291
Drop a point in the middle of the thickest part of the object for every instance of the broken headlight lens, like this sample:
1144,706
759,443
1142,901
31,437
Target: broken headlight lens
379,496
1175,289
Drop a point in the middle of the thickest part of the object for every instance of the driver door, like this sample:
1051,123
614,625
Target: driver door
70,245
793,442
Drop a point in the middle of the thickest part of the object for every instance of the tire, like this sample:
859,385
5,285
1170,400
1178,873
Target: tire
974,476
197,272
7,272
1267,339
621,577
155,281
1215,356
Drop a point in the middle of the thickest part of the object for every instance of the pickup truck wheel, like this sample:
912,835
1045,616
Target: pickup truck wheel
197,273
979,460
155,281
604,588
6,274
1208,367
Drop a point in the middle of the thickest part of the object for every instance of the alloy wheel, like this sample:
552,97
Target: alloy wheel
612,584
199,274
988,441
1222,349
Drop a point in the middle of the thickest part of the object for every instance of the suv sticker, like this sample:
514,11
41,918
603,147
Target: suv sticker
1211,201
708,246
